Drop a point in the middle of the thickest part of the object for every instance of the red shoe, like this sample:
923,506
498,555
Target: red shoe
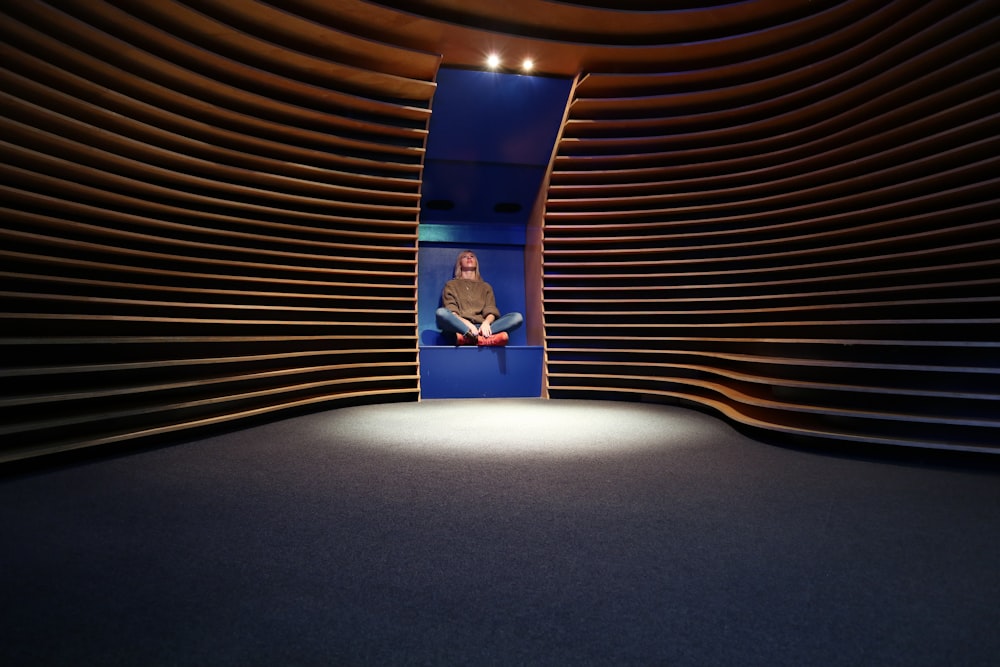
495,340
468,338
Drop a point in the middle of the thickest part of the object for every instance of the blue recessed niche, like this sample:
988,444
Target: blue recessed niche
489,145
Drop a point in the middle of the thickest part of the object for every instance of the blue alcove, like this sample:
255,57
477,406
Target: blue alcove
489,145
437,260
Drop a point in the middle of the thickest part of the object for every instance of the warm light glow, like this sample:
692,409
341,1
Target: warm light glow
531,427
528,65
493,61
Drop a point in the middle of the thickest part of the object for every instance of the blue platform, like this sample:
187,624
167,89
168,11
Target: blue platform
481,372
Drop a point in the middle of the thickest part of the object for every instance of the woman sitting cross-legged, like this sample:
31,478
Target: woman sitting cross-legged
470,310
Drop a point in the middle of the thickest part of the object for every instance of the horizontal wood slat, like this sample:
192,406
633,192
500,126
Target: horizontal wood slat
192,238
816,262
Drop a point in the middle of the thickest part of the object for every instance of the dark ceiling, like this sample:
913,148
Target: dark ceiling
567,38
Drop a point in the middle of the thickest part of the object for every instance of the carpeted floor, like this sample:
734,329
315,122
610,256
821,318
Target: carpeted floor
499,532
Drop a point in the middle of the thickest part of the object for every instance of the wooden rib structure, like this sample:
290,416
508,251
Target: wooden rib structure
808,244
784,212
201,222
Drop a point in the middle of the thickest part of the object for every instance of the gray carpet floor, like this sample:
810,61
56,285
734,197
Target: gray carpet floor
499,532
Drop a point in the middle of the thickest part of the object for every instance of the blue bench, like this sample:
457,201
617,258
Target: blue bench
481,372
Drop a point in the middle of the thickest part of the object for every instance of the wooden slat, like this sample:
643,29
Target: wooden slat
190,241
817,263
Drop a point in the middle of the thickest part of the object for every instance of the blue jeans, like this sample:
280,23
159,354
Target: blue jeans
448,322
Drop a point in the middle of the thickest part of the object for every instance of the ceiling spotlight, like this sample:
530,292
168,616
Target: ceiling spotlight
493,61
528,65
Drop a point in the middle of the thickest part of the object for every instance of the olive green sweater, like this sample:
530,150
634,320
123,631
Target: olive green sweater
471,299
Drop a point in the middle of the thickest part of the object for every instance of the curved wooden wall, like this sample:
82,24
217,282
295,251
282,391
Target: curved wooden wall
785,212
806,242
202,219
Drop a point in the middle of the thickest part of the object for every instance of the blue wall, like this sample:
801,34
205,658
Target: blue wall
490,139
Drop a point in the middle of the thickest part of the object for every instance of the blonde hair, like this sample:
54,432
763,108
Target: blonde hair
458,264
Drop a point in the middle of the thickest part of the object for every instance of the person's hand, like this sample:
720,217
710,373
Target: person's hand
470,327
485,329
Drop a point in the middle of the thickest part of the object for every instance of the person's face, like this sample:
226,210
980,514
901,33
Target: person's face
468,261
